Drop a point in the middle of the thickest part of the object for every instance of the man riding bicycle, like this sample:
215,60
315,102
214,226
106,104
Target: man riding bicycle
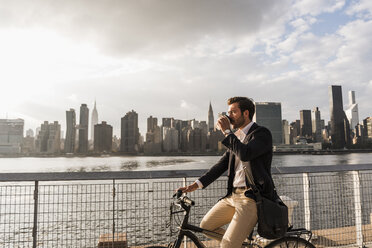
249,145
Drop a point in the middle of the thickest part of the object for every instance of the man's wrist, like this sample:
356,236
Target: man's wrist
226,132
200,185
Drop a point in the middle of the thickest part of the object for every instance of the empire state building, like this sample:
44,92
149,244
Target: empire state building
94,121
210,118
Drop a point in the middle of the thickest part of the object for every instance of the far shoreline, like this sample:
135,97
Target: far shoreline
119,154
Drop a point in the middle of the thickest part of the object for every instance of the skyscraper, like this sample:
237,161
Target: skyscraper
94,121
367,124
129,133
170,139
210,118
340,130
305,123
29,133
152,122
103,137
352,112
316,127
269,115
153,137
70,131
286,133
11,134
83,128
294,131
49,138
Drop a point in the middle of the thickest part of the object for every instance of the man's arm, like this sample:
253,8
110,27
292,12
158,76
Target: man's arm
216,171
260,143
212,174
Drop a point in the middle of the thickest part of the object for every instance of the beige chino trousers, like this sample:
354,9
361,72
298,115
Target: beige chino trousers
238,210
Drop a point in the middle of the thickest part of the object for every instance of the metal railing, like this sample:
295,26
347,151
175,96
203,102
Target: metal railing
98,209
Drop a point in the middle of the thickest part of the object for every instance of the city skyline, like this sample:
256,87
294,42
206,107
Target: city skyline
174,135
56,56
143,131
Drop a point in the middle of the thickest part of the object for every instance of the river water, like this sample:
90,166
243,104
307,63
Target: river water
143,163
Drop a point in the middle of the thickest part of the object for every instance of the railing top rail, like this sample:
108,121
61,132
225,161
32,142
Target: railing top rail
77,176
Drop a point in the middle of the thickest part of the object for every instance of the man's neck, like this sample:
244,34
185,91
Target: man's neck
245,124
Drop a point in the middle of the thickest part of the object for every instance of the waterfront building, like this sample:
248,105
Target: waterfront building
340,129
115,144
204,127
214,140
28,145
170,139
29,133
210,118
305,123
286,133
269,115
178,125
184,139
103,137
70,131
316,125
352,112
11,135
153,137
83,128
94,121
167,122
367,123
196,140
129,133
152,123
295,129
194,124
49,138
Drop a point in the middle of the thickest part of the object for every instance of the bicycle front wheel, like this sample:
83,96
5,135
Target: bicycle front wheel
290,242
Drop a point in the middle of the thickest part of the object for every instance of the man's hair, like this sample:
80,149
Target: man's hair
244,104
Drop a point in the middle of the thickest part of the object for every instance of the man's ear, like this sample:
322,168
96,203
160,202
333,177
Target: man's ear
246,113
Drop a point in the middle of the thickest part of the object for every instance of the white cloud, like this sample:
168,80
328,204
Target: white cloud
169,58
315,7
361,8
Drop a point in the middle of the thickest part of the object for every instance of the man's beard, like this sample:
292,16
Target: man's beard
238,123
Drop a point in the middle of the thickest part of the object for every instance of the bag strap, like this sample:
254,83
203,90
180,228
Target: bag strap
250,179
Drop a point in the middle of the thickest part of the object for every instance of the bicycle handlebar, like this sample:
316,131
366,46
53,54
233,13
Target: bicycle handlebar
184,198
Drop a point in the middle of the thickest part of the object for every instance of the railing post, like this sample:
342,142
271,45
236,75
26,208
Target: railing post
358,209
36,202
306,184
185,238
113,212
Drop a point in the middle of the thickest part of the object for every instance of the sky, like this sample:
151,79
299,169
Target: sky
171,58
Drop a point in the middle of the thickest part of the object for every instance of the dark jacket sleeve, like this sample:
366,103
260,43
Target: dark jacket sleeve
215,171
260,143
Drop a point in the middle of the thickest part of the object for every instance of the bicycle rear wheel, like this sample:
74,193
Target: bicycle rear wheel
290,242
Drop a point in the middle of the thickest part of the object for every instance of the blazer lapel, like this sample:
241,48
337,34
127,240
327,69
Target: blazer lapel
249,134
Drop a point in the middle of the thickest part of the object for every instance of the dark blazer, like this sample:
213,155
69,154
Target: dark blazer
258,150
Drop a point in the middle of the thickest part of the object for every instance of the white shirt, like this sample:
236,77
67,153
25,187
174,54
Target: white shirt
239,179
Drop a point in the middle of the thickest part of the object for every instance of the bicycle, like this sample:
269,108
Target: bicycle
291,239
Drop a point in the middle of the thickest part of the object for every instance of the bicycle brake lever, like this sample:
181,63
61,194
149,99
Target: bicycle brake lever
178,194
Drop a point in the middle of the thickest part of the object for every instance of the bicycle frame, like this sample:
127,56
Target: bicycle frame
188,230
